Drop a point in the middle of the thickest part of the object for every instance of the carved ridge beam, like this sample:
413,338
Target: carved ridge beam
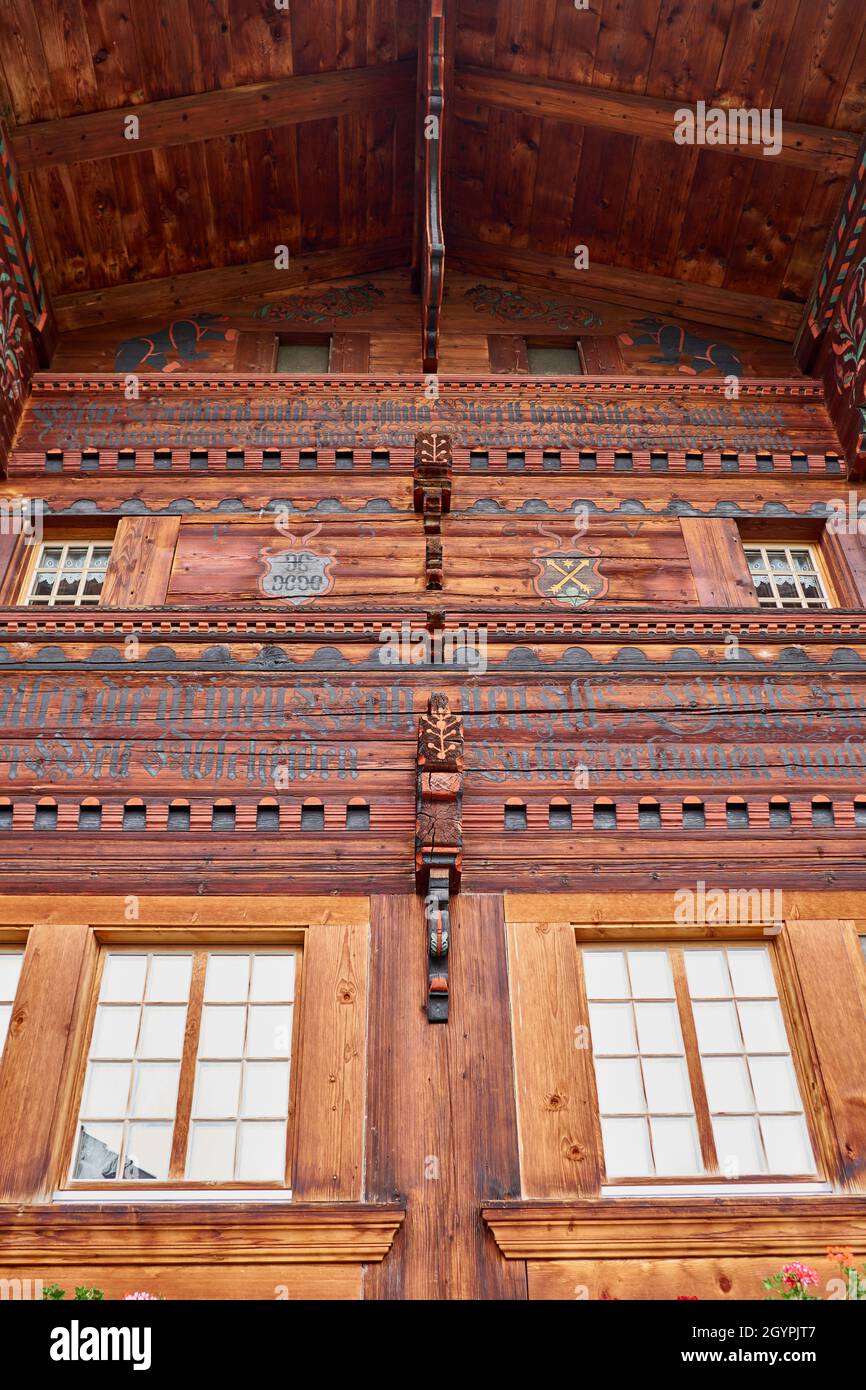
432,497
810,147
438,839
232,111
431,255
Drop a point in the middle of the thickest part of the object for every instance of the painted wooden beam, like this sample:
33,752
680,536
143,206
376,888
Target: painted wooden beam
747,313
186,120
203,289
810,147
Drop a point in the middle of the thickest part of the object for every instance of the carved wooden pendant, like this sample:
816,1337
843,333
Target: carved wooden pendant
438,838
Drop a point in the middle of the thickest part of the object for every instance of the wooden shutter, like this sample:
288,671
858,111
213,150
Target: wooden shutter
255,351
602,356
718,563
507,353
350,353
559,1144
141,560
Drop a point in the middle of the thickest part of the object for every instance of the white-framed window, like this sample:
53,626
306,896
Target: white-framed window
787,576
693,1067
188,1068
11,960
69,573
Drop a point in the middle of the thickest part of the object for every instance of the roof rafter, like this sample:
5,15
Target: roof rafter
202,116
810,147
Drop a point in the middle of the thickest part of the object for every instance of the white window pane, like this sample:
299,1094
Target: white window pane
751,971
5,1016
612,1028
262,1152
626,1149
162,1027
269,1033
217,1090
707,974
222,1031
228,978
650,973
273,978
148,1151
212,1152
763,1027
727,1083
123,978
106,1090
775,1083
667,1086
606,976
115,1031
786,1140
168,978
738,1146
658,1027
266,1089
620,1090
675,1147
10,971
717,1029
98,1152
154,1094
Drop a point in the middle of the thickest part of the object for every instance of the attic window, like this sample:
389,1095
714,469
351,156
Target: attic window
309,356
561,359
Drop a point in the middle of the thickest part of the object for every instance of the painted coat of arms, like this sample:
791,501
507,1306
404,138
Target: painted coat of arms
569,574
296,574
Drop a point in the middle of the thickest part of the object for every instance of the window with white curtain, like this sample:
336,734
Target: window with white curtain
693,1066
188,1069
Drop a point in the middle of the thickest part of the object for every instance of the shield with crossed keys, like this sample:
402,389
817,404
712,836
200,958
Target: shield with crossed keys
569,577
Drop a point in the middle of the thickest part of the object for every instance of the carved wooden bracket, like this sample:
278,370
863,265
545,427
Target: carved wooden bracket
438,838
432,493
432,245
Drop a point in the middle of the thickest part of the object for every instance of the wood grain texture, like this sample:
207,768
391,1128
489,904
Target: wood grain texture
711,1277
652,118
141,560
440,1128
36,1066
833,995
719,568
296,1233
655,1228
184,120
559,1143
332,1078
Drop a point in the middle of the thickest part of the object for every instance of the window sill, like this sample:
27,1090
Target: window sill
131,1196
662,1227
94,1234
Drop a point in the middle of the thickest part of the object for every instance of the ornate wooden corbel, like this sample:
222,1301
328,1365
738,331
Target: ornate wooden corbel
432,494
438,839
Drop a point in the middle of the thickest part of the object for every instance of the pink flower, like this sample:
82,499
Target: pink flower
797,1273
150,1296
687,1298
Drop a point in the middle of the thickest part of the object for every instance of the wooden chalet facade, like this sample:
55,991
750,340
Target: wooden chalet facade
433,632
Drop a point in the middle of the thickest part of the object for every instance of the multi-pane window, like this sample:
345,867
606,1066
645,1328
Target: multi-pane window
787,576
10,970
69,573
188,1071
693,1067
